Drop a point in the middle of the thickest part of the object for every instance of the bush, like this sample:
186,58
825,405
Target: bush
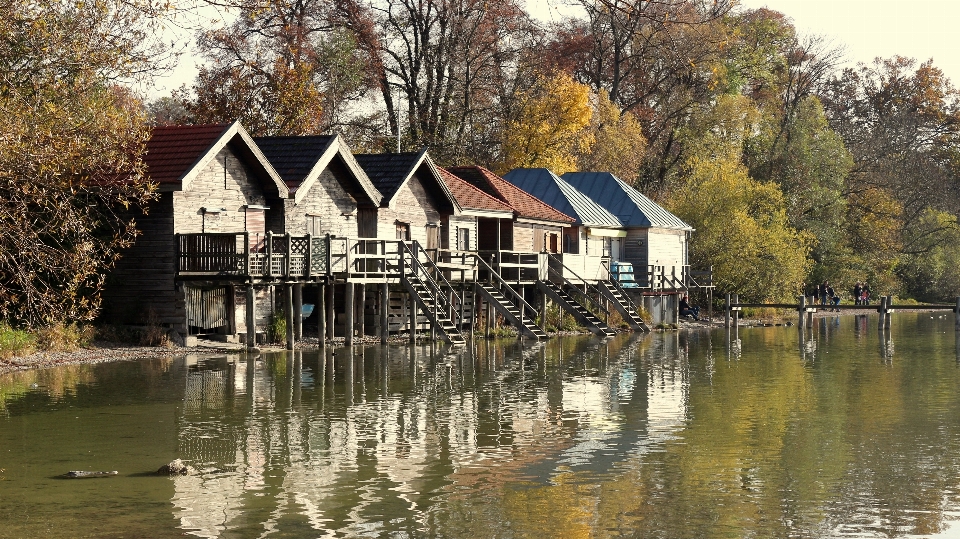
277,331
15,342
60,337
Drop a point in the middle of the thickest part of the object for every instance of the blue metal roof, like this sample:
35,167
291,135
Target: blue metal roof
562,196
634,209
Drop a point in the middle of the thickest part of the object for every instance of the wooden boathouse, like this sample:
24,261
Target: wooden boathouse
248,230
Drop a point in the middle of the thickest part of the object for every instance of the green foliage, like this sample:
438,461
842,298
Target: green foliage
15,342
934,275
277,330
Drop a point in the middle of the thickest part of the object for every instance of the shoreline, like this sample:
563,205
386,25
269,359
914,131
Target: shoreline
107,352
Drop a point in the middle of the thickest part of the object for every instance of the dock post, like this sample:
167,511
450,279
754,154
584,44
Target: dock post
331,316
384,313
413,319
321,311
887,318
298,311
726,311
956,314
486,326
252,317
362,310
803,311
348,315
736,314
883,313
288,313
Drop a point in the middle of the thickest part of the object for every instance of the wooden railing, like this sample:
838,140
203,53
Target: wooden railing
515,266
252,255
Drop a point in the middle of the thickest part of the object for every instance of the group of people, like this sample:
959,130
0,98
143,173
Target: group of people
827,297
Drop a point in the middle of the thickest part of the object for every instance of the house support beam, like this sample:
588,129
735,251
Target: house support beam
251,312
348,317
384,313
288,314
298,311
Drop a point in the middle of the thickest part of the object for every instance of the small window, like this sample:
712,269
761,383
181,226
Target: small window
553,243
463,239
314,225
403,231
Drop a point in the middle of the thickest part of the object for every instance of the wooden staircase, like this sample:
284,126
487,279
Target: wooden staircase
615,294
429,297
580,313
510,312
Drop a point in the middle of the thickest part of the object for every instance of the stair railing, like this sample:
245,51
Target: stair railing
420,271
417,249
496,279
620,289
581,295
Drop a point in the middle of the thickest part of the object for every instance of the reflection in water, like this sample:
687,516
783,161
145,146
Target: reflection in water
634,436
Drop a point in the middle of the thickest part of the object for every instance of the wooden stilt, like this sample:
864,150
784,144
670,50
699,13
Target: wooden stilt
252,317
803,311
331,316
384,313
361,311
288,313
298,311
412,307
489,321
232,310
321,310
736,314
956,315
726,311
348,314
883,313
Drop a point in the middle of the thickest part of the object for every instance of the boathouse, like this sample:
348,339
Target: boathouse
219,195
656,240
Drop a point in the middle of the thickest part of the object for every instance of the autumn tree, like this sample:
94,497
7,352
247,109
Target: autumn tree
549,126
742,228
281,68
618,142
70,153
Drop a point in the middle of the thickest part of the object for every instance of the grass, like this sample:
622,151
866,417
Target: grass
58,337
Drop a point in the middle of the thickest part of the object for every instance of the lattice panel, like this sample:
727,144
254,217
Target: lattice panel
318,256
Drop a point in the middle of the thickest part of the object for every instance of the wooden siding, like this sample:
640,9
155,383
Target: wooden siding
327,198
523,238
412,204
457,222
141,288
666,247
226,182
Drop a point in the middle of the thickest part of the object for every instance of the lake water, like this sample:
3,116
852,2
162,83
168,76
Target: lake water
842,432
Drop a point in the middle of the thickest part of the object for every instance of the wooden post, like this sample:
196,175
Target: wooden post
298,311
362,311
348,315
321,310
956,314
802,308
726,309
232,310
489,313
288,313
889,315
543,310
252,317
384,313
331,316
883,313
736,314
413,319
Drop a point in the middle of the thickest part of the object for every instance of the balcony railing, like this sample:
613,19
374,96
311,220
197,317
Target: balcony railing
252,255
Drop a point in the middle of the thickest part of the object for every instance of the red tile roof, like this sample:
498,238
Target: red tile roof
526,205
173,150
469,197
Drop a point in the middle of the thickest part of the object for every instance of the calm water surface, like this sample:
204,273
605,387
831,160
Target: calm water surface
842,432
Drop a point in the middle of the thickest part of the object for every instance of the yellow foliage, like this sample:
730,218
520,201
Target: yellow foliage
548,128
619,145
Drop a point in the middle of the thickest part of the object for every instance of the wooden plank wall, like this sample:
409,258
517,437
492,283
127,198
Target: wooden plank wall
328,199
141,287
412,204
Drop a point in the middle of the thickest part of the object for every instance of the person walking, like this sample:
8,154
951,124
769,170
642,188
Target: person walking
823,293
857,292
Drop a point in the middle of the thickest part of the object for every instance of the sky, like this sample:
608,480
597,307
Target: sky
865,29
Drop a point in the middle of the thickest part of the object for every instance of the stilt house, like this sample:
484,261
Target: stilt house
217,193
656,240
588,245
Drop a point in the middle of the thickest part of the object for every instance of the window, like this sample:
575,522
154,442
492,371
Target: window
607,243
463,239
571,241
403,231
554,243
314,225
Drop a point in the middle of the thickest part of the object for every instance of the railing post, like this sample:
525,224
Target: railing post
329,255
347,257
802,310
883,313
246,254
289,255
268,262
308,260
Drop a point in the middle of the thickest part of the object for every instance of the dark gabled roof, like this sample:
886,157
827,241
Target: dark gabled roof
622,200
469,197
294,157
562,196
172,151
389,171
523,204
